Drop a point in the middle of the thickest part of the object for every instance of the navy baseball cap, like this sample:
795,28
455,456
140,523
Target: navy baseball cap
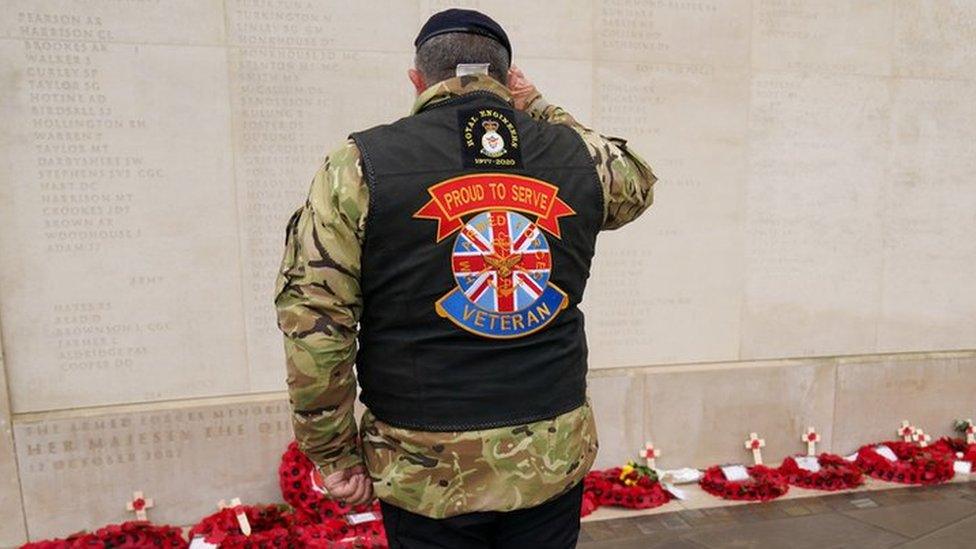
469,21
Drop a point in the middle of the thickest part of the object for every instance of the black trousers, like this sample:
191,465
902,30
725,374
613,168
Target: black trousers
554,524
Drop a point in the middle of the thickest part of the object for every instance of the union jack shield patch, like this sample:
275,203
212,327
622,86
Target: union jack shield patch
501,259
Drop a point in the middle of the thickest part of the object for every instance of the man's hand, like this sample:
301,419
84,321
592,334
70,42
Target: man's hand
352,486
523,92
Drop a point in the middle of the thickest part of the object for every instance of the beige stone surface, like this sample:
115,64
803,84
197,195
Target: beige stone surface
52,23
302,77
710,32
12,528
120,277
814,235
617,400
875,394
665,290
835,36
935,39
79,469
289,114
333,25
928,300
702,415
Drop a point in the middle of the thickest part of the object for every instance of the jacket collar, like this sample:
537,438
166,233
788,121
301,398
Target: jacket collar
457,86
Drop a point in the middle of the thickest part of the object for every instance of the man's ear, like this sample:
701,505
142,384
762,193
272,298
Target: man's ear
418,80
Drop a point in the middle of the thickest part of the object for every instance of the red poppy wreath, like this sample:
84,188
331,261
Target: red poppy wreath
835,473
957,447
136,533
913,464
593,487
632,486
963,449
269,524
80,539
764,484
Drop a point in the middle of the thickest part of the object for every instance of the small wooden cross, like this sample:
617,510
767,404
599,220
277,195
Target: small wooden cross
650,454
811,438
139,505
970,432
921,438
755,443
906,431
235,505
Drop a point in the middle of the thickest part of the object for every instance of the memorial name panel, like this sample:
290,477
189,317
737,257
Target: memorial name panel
837,37
303,76
714,32
120,274
928,289
934,39
653,298
174,22
818,162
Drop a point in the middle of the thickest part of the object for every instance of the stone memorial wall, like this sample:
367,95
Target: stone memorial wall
809,255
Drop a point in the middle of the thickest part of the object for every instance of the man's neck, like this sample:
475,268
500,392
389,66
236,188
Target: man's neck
459,85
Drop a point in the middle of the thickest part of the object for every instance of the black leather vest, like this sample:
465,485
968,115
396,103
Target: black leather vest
481,227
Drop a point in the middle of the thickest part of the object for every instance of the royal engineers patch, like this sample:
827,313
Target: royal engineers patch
489,139
501,259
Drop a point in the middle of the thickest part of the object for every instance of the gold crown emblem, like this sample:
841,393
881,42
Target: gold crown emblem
490,125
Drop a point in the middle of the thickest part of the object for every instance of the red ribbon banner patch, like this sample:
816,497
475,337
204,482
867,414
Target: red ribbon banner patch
460,196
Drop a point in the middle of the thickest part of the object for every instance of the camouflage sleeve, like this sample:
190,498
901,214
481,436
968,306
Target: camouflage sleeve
318,301
627,180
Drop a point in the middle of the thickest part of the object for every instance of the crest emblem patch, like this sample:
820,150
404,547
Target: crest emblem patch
489,138
500,258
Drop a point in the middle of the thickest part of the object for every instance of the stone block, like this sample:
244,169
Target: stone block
874,394
616,399
79,469
12,528
702,415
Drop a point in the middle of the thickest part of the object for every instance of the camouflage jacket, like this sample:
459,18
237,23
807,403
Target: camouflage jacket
318,300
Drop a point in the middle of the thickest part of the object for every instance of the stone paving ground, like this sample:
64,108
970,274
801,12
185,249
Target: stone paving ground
875,516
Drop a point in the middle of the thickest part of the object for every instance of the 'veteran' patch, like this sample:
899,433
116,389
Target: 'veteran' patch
500,258
489,138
